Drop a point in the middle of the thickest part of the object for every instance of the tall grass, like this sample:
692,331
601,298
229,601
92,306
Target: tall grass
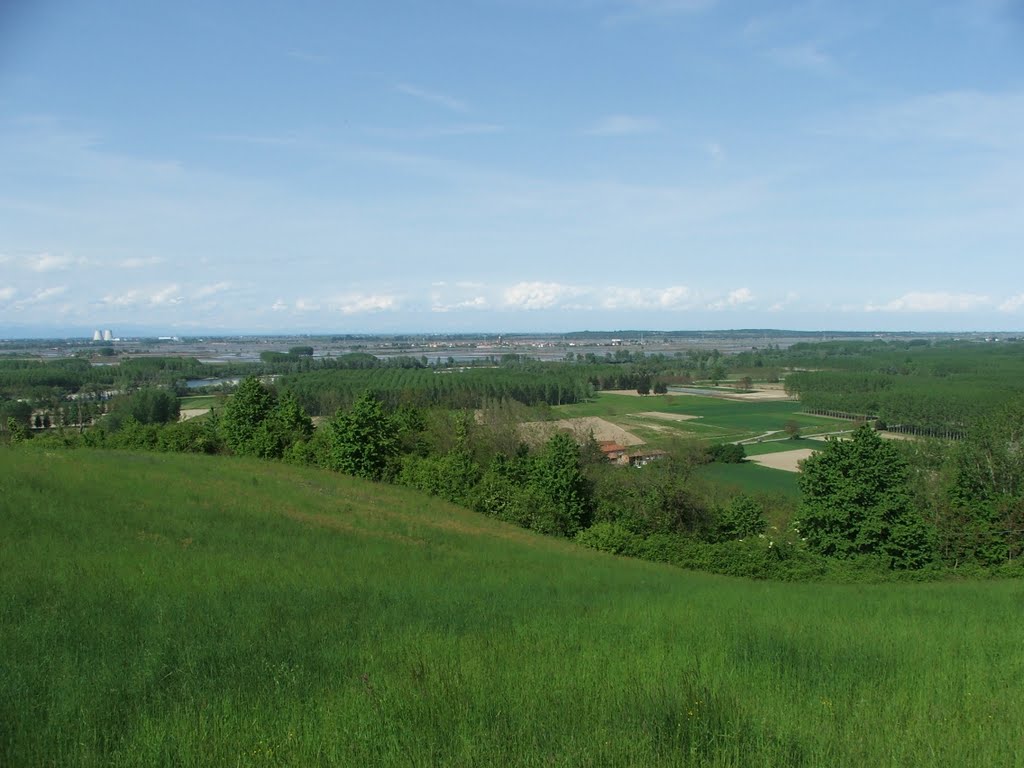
179,610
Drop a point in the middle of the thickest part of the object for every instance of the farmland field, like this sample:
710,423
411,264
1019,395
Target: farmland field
166,609
749,477
714,419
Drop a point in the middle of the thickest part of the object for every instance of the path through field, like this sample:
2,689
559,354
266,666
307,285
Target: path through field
667,416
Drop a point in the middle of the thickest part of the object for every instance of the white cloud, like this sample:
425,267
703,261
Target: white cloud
1012,304
537,295
279,306
47,262
674,297
734,298
477,302
624,125
135,262
790,299
358,303
43,295
211,289
167,295
306,305
126,299
433,97
7,293
939,301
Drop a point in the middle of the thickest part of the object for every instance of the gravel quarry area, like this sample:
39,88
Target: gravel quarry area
604,431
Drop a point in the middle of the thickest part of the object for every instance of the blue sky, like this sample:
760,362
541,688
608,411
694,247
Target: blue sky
511,165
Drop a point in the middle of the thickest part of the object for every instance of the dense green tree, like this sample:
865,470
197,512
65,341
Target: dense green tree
452,475
987,493
654,499
856,501
18,410
727,453
501,490
151,406
287,423
16,430
561,492
362,441
192,436
743,516
244,415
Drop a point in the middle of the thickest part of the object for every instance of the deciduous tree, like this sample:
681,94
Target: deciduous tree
362,441
856,501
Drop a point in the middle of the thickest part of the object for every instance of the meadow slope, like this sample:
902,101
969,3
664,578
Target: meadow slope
187,610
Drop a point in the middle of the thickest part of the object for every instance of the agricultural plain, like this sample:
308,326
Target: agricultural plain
163,609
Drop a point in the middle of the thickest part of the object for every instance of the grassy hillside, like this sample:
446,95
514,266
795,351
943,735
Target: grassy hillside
177,610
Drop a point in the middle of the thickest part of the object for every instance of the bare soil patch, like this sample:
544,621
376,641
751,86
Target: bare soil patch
191,413
788,461
604,431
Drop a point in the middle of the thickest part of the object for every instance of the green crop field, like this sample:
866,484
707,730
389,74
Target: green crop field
748,477
160,609
781,446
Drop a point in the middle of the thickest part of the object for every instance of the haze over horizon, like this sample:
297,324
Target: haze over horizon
511,165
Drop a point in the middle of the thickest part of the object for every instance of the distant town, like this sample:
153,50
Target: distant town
460,347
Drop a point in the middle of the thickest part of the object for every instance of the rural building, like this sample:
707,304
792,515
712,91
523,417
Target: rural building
642,458
612,451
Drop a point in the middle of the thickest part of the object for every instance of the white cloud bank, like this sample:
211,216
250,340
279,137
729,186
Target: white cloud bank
735,298
537,295
1012,304
358,303
939,301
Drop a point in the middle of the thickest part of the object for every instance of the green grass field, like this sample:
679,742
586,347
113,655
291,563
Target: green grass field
181,610
720,420
751,478
202,401
781,446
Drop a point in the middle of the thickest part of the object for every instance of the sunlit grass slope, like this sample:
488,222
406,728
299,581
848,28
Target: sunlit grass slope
177,610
